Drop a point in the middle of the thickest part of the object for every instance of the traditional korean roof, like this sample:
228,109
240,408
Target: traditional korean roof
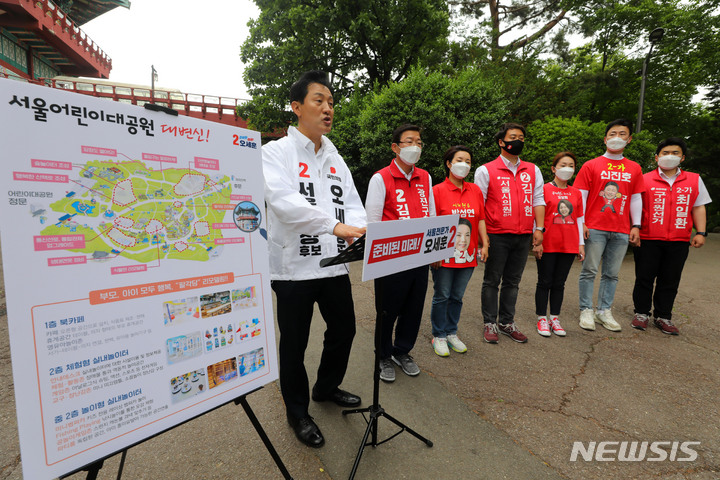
55,33
82,11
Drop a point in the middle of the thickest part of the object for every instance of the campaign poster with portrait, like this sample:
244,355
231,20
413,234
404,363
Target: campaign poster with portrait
398,245
136,271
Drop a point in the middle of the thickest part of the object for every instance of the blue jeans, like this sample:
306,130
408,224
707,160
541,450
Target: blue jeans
610,248
449,285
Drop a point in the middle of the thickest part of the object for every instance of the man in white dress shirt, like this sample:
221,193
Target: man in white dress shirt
314,211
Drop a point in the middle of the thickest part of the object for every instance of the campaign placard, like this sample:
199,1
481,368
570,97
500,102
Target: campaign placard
399,245
136,271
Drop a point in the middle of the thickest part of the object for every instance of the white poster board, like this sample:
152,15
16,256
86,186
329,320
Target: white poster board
136,271
399,245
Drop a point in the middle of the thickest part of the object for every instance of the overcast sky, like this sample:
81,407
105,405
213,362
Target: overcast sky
194,45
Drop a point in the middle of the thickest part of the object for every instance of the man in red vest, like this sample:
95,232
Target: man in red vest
514,199
673,203
400,191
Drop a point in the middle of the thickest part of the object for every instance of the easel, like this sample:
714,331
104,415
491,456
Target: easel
352,253
93,468
375,411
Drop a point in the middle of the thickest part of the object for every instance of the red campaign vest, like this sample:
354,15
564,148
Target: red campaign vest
403,198
509,202
667,211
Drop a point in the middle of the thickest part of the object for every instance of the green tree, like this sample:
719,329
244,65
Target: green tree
704,152
601,80
500,19
466,108
597,81
551,135
360,44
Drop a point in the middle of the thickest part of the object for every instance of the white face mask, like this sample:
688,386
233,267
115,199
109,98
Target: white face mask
410,155
564,173
669,162
616,143
460,169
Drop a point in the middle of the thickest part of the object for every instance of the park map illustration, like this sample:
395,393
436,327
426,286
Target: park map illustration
128,209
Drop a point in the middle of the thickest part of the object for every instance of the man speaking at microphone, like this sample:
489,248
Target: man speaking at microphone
314,212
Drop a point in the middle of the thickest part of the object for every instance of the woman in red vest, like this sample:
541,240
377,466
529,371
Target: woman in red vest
450,277
562,242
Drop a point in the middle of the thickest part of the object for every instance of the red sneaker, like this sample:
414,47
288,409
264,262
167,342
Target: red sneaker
639,321
543,327
666,326
490,335
511,331
556,328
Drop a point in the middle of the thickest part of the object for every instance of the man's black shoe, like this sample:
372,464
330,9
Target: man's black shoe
340,397
307,431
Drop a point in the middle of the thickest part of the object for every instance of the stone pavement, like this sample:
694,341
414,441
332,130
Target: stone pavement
505,411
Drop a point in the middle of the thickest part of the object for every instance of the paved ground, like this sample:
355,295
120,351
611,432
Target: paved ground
505,411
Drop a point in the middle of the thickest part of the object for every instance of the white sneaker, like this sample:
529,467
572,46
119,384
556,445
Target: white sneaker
440,345
543,327
605,318
587,319
456,344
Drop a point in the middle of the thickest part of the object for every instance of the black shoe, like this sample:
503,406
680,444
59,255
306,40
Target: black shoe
340,397
307,431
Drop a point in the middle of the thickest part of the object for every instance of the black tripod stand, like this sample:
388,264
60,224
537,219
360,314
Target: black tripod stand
375,411
353,253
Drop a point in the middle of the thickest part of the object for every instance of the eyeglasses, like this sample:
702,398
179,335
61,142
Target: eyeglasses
412,142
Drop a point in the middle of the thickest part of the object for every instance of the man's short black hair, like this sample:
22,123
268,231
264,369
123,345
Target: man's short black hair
397,133
299,89
622,122
672,141
500,135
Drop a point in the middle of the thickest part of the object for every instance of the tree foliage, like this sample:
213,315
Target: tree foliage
515,56
551,135
463,109
524,24
599,80
704,151
685,59
360,44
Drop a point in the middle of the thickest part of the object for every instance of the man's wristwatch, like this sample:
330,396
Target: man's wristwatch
542,229
635,226
704,234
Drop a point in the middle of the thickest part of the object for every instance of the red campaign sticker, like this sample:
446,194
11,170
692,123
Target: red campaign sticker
395,247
